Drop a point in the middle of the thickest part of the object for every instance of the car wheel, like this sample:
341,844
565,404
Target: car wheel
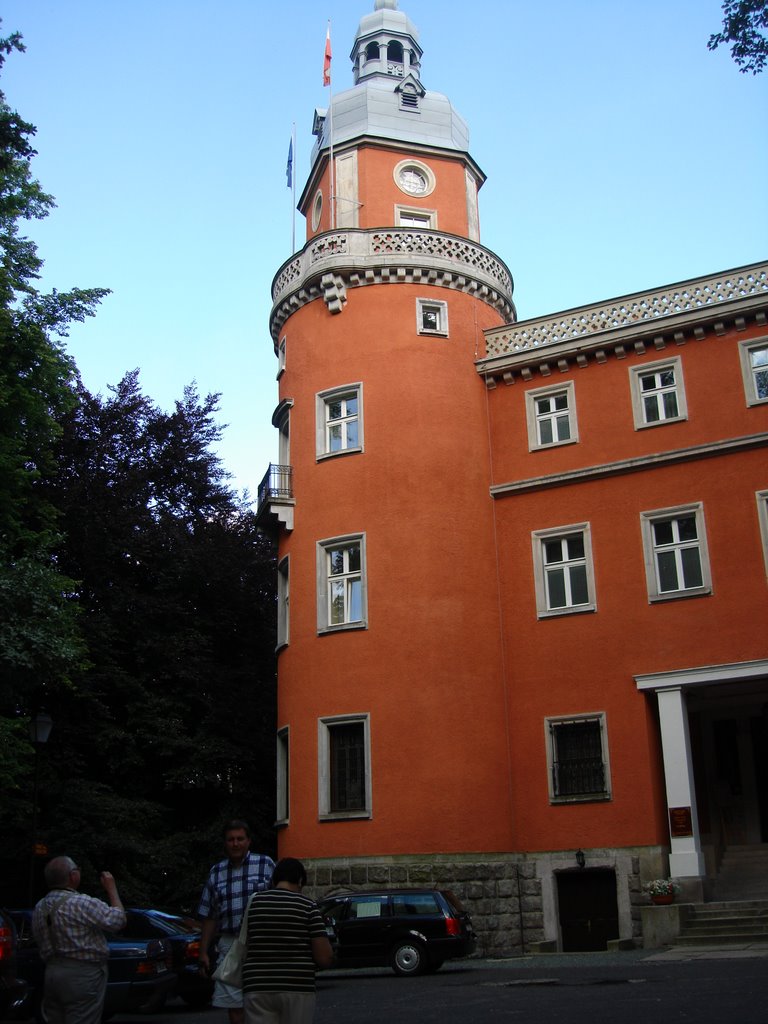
408,958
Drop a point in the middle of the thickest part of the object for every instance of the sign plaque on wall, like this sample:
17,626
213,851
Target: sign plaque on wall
680,824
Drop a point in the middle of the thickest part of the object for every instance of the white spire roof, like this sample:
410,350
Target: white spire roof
388,100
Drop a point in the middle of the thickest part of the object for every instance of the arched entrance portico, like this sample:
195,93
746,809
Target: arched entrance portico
714,735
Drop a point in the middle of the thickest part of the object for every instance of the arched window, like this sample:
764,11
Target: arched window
372,51
395,51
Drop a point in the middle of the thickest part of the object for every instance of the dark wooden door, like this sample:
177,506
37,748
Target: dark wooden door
589,915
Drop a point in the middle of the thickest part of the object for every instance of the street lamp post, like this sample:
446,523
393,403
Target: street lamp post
40,726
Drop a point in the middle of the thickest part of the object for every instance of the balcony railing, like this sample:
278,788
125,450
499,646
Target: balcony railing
275,489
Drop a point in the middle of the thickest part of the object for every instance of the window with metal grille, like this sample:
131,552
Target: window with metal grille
577,758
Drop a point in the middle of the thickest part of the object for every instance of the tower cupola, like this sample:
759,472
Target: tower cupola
386,45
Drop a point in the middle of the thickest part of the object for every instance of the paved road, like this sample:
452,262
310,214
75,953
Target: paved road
635,987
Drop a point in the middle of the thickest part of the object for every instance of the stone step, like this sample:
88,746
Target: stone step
726,923
715,928
705,939
712,921
732,906
736,894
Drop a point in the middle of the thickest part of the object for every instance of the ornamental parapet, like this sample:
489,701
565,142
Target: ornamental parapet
332,263
642,310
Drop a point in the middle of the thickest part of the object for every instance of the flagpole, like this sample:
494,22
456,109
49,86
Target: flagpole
329,82
293,190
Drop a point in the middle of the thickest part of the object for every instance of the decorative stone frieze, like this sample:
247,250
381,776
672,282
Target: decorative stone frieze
333,263
632,310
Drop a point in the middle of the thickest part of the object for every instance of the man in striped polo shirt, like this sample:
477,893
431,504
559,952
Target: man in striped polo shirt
226,892
286,940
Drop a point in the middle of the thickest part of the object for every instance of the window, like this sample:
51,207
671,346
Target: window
283,580
341,596
366,907
339,416
676,558
551,416
562,562
421,903
762,515
281,352
577,758
414,177
658,395
406,217
283,776
281,418
344,771
432,317
754,369
317,210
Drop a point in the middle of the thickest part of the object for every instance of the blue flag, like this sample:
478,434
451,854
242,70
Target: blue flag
289,166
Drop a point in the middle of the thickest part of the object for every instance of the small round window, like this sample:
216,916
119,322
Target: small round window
317,209
414,178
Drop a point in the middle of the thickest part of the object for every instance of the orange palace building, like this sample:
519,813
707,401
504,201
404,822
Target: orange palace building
523,606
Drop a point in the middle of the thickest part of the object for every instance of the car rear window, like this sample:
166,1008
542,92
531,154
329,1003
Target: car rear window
415,903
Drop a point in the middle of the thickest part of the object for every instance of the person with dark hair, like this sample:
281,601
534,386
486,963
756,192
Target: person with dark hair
285,941
69,927
229,886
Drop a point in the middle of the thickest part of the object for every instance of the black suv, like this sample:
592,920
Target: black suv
412,930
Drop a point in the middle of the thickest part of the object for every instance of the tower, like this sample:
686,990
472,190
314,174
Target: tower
389,667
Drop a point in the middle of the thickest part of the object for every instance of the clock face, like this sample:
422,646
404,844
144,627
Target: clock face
413,180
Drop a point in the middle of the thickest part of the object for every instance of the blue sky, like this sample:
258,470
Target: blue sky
621,155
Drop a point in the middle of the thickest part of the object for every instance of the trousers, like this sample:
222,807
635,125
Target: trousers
279,1007
73,991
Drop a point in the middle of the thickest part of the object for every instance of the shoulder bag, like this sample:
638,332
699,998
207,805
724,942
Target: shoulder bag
230,970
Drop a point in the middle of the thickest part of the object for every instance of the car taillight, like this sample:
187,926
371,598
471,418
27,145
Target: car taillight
6,943
453,926
192,950
147,967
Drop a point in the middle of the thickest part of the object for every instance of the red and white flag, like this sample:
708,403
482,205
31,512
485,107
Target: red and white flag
327,58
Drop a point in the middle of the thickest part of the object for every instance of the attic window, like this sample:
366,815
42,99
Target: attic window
409,99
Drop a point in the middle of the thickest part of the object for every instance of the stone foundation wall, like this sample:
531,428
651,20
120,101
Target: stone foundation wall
509,897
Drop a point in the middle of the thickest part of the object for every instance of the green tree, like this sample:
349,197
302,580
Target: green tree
39,640
170,728
744,25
